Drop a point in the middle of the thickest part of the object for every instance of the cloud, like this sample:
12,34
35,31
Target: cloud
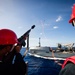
59,19
55,27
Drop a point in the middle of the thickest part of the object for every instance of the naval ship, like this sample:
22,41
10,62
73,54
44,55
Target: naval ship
58,53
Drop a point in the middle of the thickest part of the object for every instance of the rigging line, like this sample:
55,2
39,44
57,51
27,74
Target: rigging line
42,24
49,43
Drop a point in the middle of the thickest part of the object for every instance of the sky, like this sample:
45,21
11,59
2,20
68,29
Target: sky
50,17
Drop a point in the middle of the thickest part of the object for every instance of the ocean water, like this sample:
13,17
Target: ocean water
40,66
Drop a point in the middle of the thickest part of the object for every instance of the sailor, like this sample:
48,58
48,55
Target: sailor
68,67
9,51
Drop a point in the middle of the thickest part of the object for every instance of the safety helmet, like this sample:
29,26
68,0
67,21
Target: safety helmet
7,37
72,15
72,18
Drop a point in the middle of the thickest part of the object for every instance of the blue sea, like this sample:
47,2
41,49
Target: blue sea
41,66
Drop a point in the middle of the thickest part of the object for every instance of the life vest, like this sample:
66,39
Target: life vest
69,59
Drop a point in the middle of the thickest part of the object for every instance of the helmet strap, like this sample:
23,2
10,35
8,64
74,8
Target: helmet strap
13,47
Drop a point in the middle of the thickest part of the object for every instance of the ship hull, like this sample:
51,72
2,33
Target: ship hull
46,53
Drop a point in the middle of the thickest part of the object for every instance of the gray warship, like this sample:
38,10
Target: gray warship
60,52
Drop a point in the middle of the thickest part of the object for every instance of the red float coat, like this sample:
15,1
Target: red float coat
69,59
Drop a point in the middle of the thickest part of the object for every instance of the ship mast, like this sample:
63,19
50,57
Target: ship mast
39,43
